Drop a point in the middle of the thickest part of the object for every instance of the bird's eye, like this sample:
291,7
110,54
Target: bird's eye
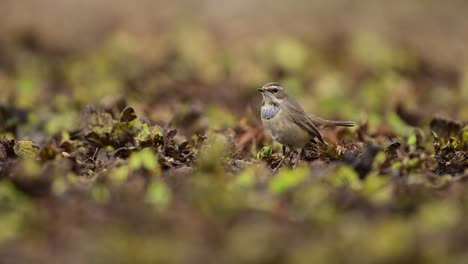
274,90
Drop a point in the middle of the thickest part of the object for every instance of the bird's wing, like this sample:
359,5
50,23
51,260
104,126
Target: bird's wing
297,115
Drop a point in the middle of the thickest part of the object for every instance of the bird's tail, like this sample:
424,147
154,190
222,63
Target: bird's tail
322,123
330,123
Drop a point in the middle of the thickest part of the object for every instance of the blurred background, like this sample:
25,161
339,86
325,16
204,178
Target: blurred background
347,59
195,66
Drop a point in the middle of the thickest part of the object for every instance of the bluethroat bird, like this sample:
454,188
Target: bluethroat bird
287,123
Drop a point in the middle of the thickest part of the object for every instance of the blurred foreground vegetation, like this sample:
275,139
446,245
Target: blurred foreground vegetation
148,148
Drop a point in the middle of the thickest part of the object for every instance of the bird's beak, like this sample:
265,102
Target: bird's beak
261,90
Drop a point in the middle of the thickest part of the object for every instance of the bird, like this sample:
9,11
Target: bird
287,122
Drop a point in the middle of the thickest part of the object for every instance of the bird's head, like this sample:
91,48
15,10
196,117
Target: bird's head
273,93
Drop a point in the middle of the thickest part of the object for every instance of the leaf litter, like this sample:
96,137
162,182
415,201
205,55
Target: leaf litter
200,181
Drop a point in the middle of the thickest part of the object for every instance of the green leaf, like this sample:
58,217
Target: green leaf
158,194
377,189
346,176
147,134
47,152
59,185
452,143
397,165
17,210
31,168
374,182
412,140
288,179
145,159
99,122
264,152
464,135
414,163
119,175
212,155
220,117
246,178
26,149
436,142
61,122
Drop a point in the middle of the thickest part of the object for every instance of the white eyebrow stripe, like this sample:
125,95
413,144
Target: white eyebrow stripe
275,86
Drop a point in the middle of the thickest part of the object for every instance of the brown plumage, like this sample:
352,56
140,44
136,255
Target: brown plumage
300,118
286,121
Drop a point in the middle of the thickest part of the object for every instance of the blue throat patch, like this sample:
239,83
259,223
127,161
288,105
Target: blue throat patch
269,112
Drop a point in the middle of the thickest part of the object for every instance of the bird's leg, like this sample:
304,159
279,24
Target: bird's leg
282,160
290,154
278,166
299,152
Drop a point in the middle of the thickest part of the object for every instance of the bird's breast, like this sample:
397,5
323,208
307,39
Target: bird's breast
268,112
283,130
